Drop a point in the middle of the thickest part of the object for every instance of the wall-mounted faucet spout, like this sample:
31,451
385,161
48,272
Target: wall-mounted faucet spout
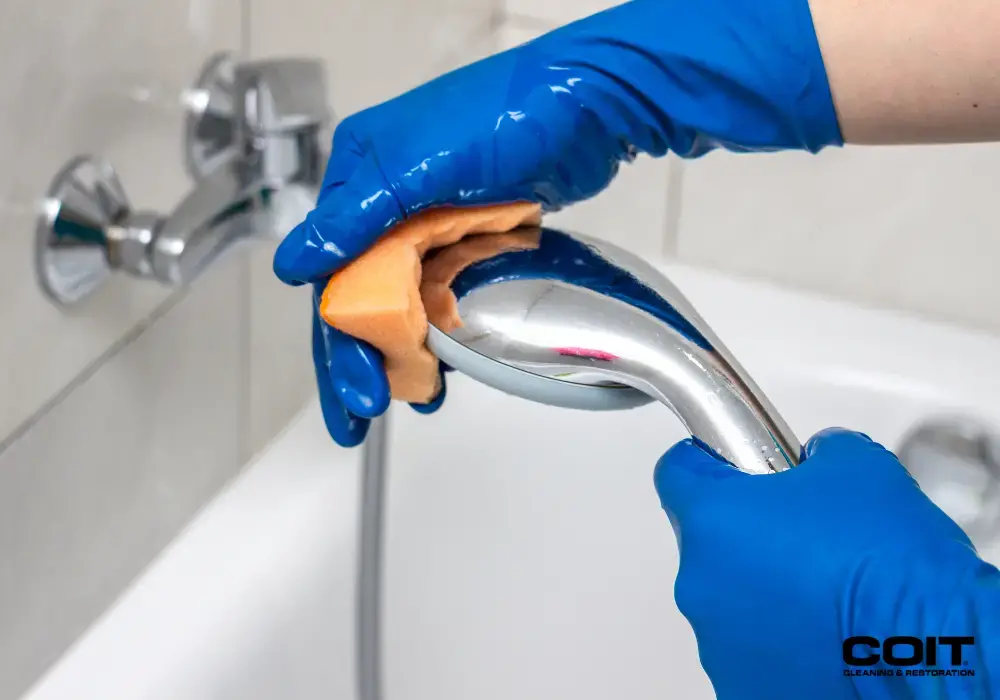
253,139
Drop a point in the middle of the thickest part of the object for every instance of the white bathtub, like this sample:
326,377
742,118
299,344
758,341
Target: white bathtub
527,555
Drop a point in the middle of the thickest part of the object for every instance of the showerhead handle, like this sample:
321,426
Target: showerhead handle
580,323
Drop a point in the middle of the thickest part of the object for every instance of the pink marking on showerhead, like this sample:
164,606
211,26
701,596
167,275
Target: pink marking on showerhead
584,352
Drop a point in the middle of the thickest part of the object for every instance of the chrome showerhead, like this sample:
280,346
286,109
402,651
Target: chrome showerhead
580,323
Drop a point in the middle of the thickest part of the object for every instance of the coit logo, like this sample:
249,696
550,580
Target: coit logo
906,651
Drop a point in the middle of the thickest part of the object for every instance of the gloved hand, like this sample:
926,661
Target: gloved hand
550,121
778,571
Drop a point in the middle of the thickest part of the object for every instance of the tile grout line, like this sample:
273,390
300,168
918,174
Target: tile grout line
91,369
522,21
498,17
245,26
675,203
488,29
143,325
244,429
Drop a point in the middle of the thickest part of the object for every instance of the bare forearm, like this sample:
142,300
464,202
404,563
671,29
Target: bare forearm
912,71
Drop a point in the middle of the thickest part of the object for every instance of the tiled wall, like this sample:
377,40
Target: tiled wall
908,228
121,417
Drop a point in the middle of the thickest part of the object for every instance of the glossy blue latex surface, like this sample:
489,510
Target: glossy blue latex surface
777,571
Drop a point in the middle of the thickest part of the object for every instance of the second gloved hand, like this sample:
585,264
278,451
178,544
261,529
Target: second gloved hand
550,122
777,572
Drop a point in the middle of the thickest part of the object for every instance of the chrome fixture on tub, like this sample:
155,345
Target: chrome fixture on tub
956,461
253,138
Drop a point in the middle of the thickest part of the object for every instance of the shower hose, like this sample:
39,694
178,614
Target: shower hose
368,587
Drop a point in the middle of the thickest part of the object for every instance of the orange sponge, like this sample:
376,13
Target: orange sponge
381,296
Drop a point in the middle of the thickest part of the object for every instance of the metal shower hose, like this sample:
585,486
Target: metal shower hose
368,587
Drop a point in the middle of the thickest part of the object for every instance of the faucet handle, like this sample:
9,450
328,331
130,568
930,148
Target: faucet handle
232,106
86,229
281,95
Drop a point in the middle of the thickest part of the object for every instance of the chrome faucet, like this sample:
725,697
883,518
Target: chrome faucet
253,138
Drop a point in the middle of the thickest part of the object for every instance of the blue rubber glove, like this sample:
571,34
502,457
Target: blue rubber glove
550,122
778,571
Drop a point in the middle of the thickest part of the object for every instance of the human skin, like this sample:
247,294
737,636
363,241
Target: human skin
912,71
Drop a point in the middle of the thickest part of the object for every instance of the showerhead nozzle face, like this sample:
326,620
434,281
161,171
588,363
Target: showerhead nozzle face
579,323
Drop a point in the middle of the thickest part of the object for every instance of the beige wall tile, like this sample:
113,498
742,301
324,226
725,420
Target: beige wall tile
557,11
912,228
121,416
520,30
373,49
100,484
280,374
101,77
633,212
